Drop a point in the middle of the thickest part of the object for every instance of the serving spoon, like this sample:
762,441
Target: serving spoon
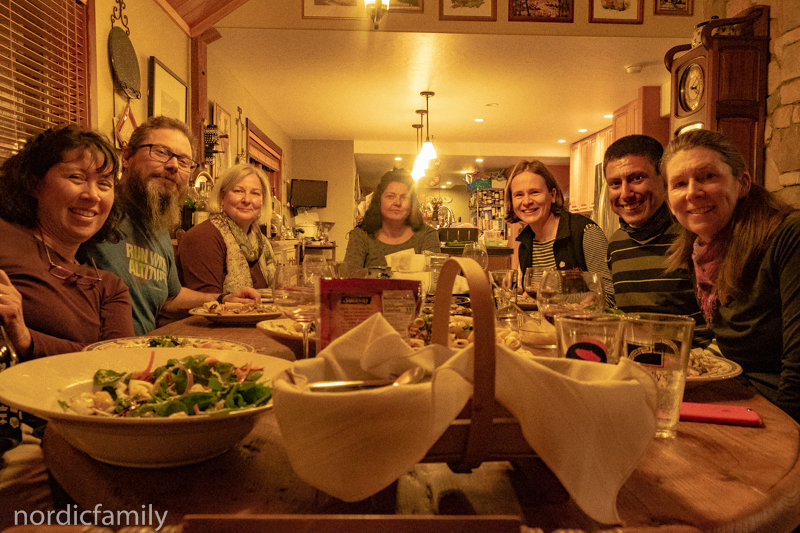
410,376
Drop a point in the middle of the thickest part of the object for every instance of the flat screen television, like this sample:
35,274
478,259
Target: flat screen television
309,193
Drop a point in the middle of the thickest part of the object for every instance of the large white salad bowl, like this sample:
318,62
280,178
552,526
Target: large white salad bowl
37,386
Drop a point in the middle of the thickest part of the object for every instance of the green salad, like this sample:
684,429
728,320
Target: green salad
167,341
193,385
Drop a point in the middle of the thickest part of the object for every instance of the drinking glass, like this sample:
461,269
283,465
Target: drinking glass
476,251
295,294
569,292
531,280
504,287
660,344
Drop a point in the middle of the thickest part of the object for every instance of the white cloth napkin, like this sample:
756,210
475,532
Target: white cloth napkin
589,422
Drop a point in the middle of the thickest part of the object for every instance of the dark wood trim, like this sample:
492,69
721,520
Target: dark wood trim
198,89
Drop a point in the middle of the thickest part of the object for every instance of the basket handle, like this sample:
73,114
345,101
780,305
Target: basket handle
482,304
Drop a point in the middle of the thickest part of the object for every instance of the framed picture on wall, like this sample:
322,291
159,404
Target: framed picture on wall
168,95
406,6
616,11
335,9
674,7
222,120
468,10
541,10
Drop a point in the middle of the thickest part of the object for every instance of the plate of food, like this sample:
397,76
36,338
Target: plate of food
705,367
286,328
227,392
170,341
236,313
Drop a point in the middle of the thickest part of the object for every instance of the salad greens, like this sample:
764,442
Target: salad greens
190,386
167,341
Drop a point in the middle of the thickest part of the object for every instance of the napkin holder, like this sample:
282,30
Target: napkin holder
484,430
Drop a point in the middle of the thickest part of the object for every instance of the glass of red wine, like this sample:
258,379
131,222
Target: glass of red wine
569,292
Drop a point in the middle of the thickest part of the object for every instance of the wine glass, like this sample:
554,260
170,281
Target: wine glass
295,295
570,292
476,251
531,280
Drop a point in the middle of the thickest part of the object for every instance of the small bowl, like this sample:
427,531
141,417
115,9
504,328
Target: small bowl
36,387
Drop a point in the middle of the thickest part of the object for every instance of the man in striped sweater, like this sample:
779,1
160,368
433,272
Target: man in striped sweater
636,251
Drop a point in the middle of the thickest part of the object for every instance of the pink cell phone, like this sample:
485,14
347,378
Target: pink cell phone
720,414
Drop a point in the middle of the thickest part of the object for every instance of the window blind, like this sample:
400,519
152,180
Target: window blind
43,68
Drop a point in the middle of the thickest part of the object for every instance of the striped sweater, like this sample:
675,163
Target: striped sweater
640,281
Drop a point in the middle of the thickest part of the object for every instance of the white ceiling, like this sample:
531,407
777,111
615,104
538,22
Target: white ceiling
340,80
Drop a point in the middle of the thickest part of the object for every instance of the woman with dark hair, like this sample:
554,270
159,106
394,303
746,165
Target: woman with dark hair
55,194
744,244
392,222
553,238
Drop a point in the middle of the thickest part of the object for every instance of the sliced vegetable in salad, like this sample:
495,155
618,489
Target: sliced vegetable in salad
190,386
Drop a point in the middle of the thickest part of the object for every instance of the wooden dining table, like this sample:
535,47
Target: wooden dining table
711,477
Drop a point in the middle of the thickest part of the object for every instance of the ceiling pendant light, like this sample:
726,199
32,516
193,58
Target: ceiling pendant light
428,151
376,9
419,170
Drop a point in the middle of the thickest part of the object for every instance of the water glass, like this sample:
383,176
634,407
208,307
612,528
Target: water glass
476,251
570,292
590,337
504,287
660,344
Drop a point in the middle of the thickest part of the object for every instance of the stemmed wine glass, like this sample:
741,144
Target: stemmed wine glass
531,280
295,294
569,292
476,251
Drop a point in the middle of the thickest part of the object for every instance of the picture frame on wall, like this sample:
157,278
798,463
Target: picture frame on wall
405,6
335,9
616,11
674,7
222,120
541,10
168,95
485,10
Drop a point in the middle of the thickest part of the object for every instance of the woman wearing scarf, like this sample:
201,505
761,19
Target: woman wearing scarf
744,244
228,251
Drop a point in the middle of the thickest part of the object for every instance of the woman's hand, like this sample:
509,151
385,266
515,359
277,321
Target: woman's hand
244,295
11,315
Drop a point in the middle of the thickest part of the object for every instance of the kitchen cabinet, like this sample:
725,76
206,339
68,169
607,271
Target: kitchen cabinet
642,116
585,155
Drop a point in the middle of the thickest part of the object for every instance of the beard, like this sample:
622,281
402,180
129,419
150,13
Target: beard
152,207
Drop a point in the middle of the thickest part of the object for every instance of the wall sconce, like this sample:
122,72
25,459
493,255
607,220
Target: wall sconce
376,9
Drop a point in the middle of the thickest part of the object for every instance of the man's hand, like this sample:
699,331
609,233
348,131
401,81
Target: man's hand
244,295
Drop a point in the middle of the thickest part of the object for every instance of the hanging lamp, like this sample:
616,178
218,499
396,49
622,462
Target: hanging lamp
376,9
418,171
428,151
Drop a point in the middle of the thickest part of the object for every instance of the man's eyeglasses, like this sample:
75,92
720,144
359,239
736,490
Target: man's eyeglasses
162,155
63,273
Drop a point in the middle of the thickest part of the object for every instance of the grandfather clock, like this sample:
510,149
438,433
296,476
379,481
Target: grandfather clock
720,83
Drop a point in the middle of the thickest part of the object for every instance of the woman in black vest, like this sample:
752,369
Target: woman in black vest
553,237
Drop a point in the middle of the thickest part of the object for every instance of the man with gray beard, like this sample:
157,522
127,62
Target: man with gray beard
156,166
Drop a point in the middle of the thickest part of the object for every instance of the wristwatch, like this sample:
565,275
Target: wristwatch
222,296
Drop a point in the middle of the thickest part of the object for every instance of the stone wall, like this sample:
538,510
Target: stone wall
782,132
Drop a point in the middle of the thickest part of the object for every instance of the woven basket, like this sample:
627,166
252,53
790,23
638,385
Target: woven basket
484,430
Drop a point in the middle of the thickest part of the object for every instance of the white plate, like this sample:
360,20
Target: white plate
723,369
236,318
283,328
186,342
36,386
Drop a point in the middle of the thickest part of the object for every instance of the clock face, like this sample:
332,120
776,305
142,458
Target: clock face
691,87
